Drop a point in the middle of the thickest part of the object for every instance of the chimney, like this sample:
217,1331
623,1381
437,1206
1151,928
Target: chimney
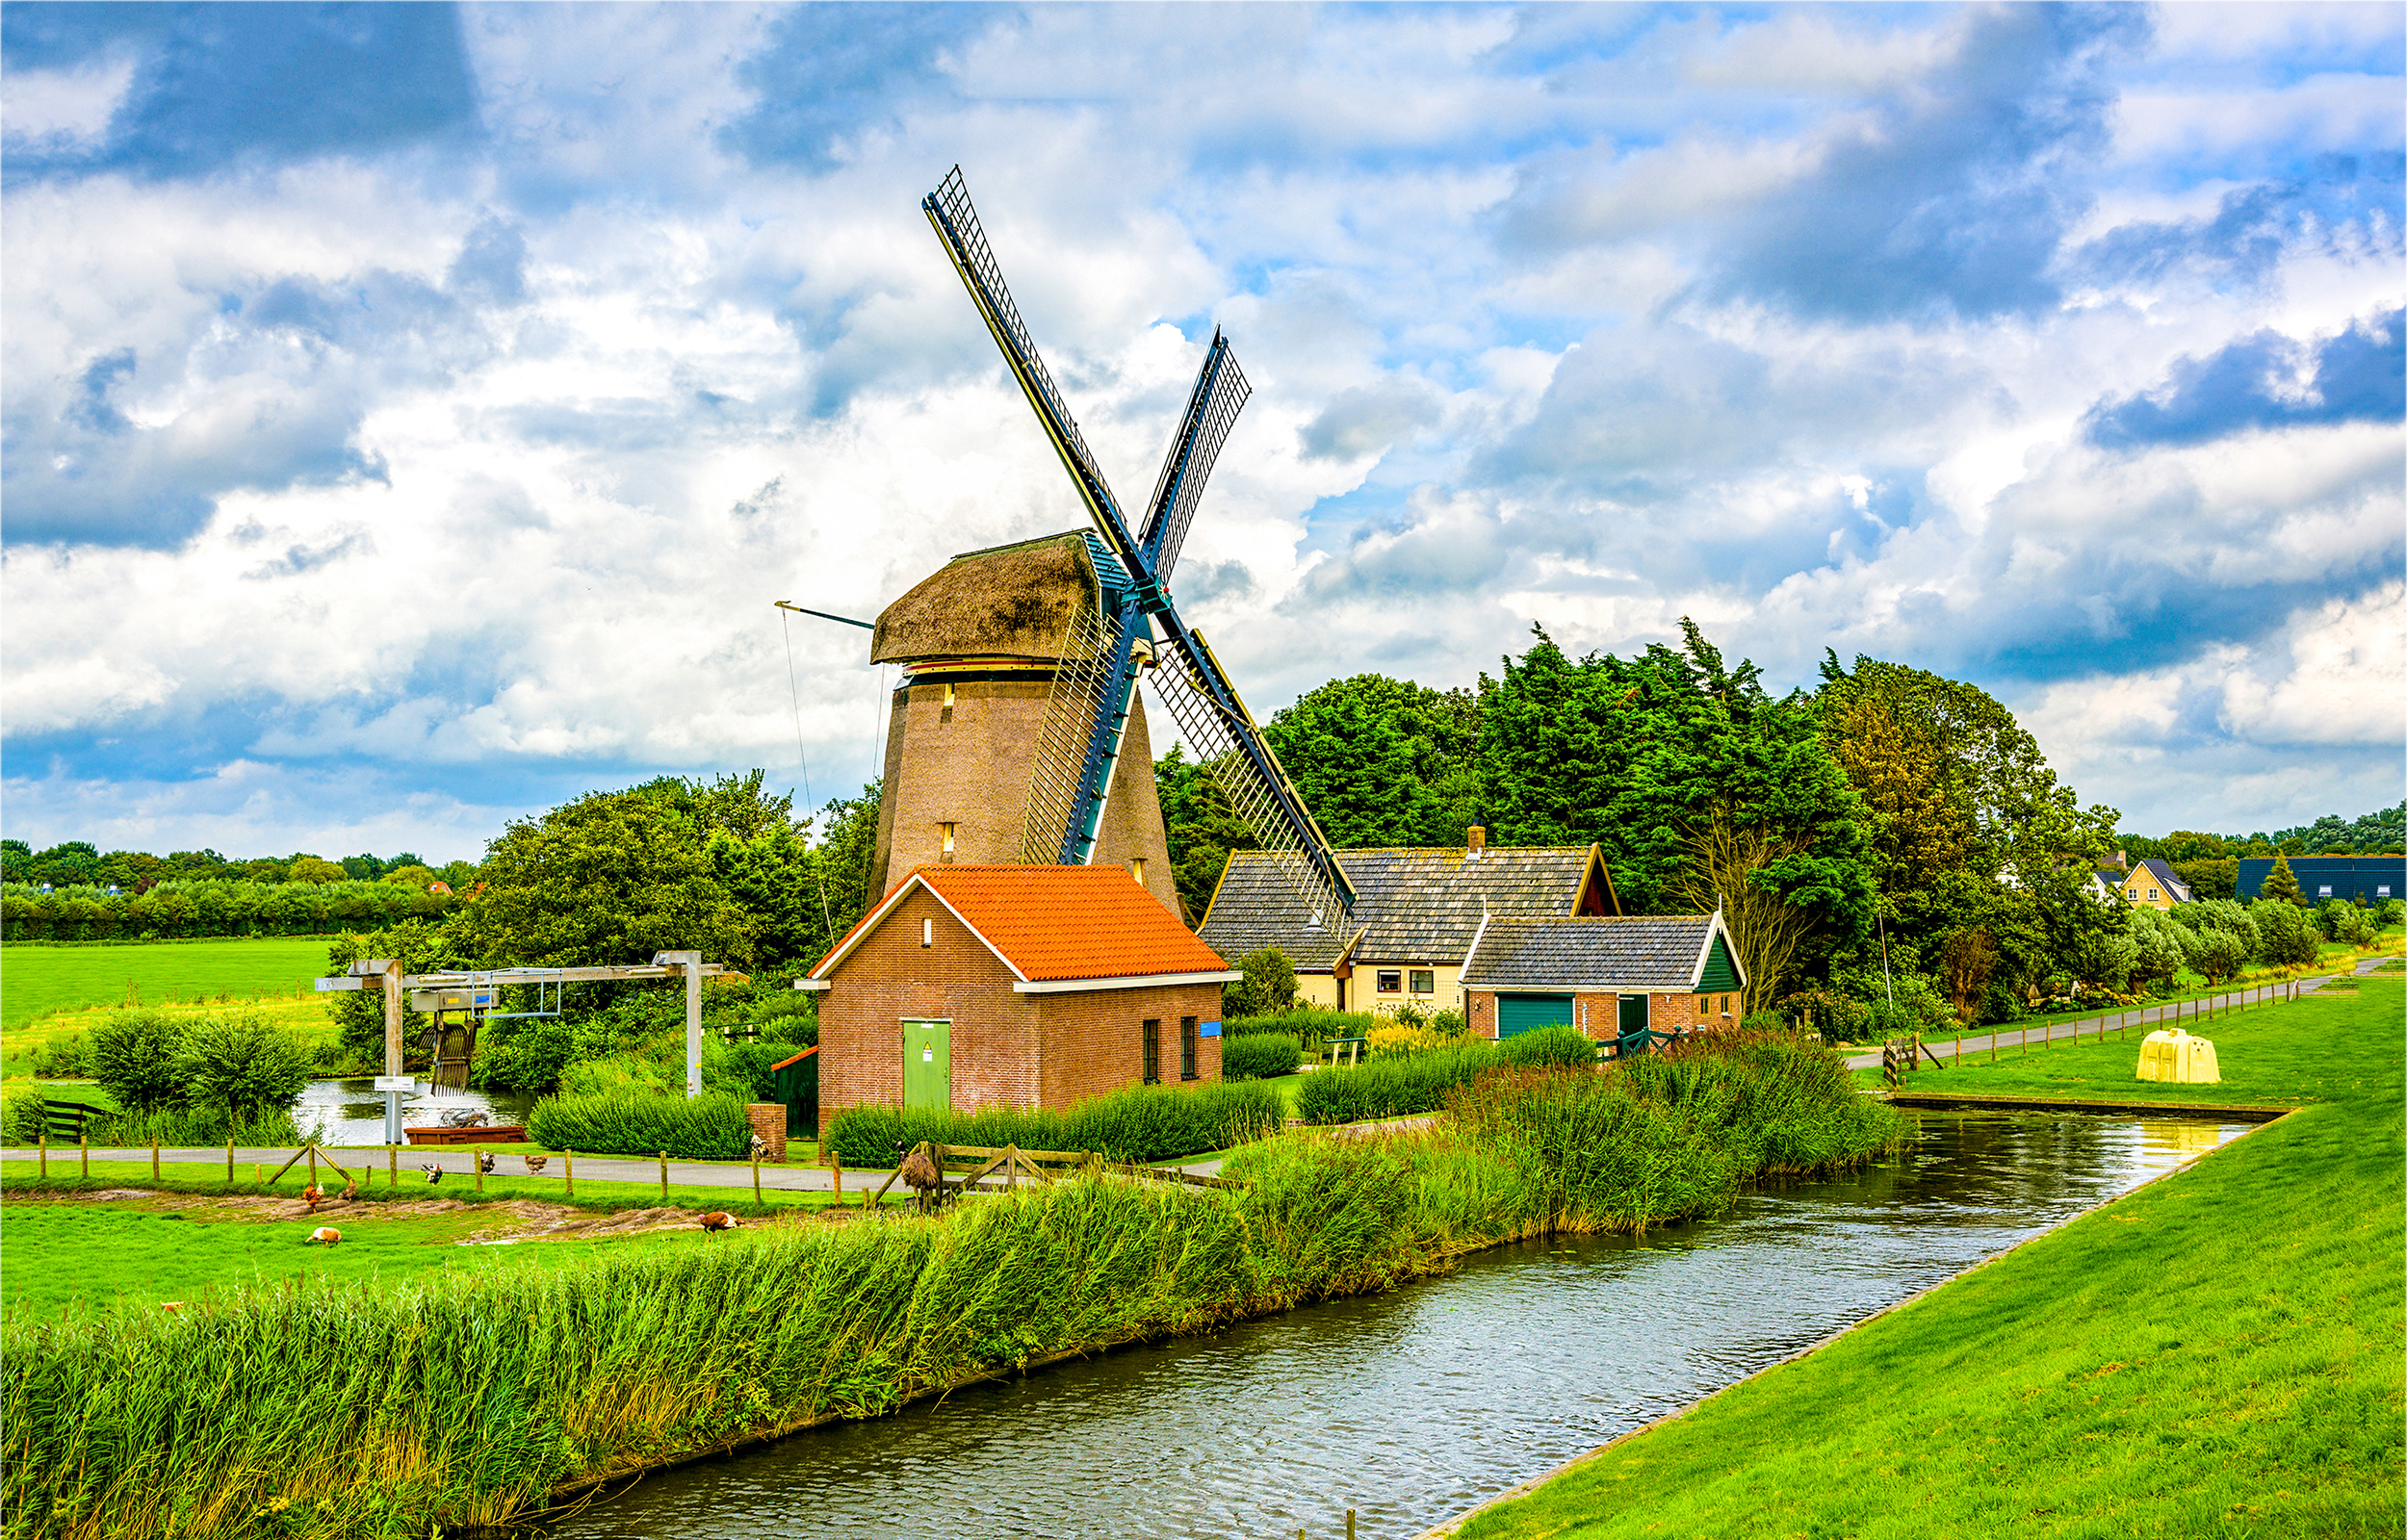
1478,842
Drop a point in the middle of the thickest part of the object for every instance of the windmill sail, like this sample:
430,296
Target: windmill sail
1092,689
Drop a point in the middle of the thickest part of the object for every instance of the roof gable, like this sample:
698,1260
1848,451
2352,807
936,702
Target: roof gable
1636,952
1412,904
1050,923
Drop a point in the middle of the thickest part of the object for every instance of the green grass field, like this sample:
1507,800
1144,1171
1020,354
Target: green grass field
2219,1354
37,980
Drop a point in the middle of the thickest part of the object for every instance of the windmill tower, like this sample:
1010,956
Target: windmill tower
1017,734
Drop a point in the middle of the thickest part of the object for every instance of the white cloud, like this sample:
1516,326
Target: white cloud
63,111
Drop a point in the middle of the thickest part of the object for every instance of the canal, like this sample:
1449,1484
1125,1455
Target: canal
1412,1405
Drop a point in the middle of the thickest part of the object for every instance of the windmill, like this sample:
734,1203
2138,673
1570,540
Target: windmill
1130,624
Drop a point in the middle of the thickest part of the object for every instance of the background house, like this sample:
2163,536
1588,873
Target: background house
2358,879
1416,909
2152,885
1016,986
1604,976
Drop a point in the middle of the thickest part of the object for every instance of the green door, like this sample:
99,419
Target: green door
1517,1013
1631,1015
928,1064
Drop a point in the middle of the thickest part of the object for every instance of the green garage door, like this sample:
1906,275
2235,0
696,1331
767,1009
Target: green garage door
1517,1013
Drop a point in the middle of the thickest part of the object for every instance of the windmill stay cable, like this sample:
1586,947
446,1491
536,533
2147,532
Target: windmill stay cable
793,692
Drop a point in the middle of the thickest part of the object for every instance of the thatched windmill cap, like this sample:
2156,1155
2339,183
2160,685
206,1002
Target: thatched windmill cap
1013,601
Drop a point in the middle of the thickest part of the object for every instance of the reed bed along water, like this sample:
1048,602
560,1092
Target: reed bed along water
1141,1123
469,1401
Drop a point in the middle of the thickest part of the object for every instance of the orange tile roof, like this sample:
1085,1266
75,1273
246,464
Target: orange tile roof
1058,922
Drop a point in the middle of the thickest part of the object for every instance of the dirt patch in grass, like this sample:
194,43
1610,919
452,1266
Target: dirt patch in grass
514,1219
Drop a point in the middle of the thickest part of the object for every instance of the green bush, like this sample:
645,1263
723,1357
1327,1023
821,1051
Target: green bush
2287,934
1258,1056
709,1127
66,1058
1268,985
242,1064
1306,1026
1391,1087
1549,1048
133,1056
21,1116
1137,1124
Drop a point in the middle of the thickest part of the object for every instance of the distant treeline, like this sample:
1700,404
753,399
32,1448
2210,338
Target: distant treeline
79,863
85,912
2373,834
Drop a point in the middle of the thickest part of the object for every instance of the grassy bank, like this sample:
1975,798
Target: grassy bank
2219,1354
35,981
489,1391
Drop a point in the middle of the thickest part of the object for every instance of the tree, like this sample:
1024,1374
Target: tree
1967,959
2162,948
2286,934
242,1064
2218,953
1201,826
312,869
2281,884
1267,988
134,1057
1704,790
1383,761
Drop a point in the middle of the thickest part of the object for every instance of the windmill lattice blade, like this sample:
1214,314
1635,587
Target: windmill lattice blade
1071,711
956,223
1215,739
1220,394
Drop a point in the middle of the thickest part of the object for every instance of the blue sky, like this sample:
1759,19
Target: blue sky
410,412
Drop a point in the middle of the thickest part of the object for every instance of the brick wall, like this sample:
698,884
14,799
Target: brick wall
768,1126
1008,1049
1599,1014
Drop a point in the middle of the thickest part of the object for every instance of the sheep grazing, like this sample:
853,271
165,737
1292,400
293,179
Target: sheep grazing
484,1164
721,1221
535,1163
313,1196
435,1172
324,1234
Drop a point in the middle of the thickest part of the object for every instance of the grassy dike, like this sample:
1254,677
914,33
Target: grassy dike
2218,1354
464,1398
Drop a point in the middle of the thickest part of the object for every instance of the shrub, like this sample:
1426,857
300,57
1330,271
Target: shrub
1549,1048
742,1068
2219,954
1258,1056
1268,985
133,1056
1136,1125
711,1126
1307,1025
21,1116
242,1064
1391,1087
1393,1042
2286,934
2389,911
68,1058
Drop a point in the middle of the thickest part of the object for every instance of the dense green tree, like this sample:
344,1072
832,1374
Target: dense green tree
1201,827
1383,762
2281,884
1267,988
2286,934
134,1057
243,1063
1700,786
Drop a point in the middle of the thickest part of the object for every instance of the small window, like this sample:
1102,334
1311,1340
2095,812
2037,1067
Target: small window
2325,892
1424,981
2382,891
945,832
1390,981
1136,868
1153,1053
1186,1047
2152,895
927,932
1725,1005
1704,1005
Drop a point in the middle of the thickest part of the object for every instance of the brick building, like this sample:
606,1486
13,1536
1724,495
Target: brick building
1605,976
1015,986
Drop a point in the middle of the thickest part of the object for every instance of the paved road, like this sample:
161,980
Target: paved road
2190,1014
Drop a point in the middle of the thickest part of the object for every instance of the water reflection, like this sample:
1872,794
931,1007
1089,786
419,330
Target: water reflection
1412,1405
352,1111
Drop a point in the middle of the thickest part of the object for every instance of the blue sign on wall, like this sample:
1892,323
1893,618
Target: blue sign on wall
1208,1029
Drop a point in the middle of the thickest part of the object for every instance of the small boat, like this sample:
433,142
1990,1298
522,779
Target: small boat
483,1134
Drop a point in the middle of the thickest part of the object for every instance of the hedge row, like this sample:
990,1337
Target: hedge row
1418,1082
211,908
1258,1056
1140,1123
709,1127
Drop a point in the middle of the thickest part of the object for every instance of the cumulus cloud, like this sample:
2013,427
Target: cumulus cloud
421,411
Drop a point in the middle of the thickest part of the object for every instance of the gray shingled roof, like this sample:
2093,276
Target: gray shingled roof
1412,905
1634,952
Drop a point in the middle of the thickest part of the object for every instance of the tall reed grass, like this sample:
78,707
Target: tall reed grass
629,1122
1259,1055
1139,1123
1401,1084
470,1399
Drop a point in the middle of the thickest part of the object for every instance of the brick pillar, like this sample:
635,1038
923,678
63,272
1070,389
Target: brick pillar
769,1120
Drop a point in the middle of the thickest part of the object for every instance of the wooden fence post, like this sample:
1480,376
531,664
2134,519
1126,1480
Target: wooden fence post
42,1148
154,1157
664,1176
83,1151
393,1165
837,1157
229,1161
568,1170
475,1163
756,1179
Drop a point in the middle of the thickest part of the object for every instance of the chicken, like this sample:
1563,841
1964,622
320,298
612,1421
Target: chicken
435,1172
535,1163
349,1192
721,1221
484,1164
313,1196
